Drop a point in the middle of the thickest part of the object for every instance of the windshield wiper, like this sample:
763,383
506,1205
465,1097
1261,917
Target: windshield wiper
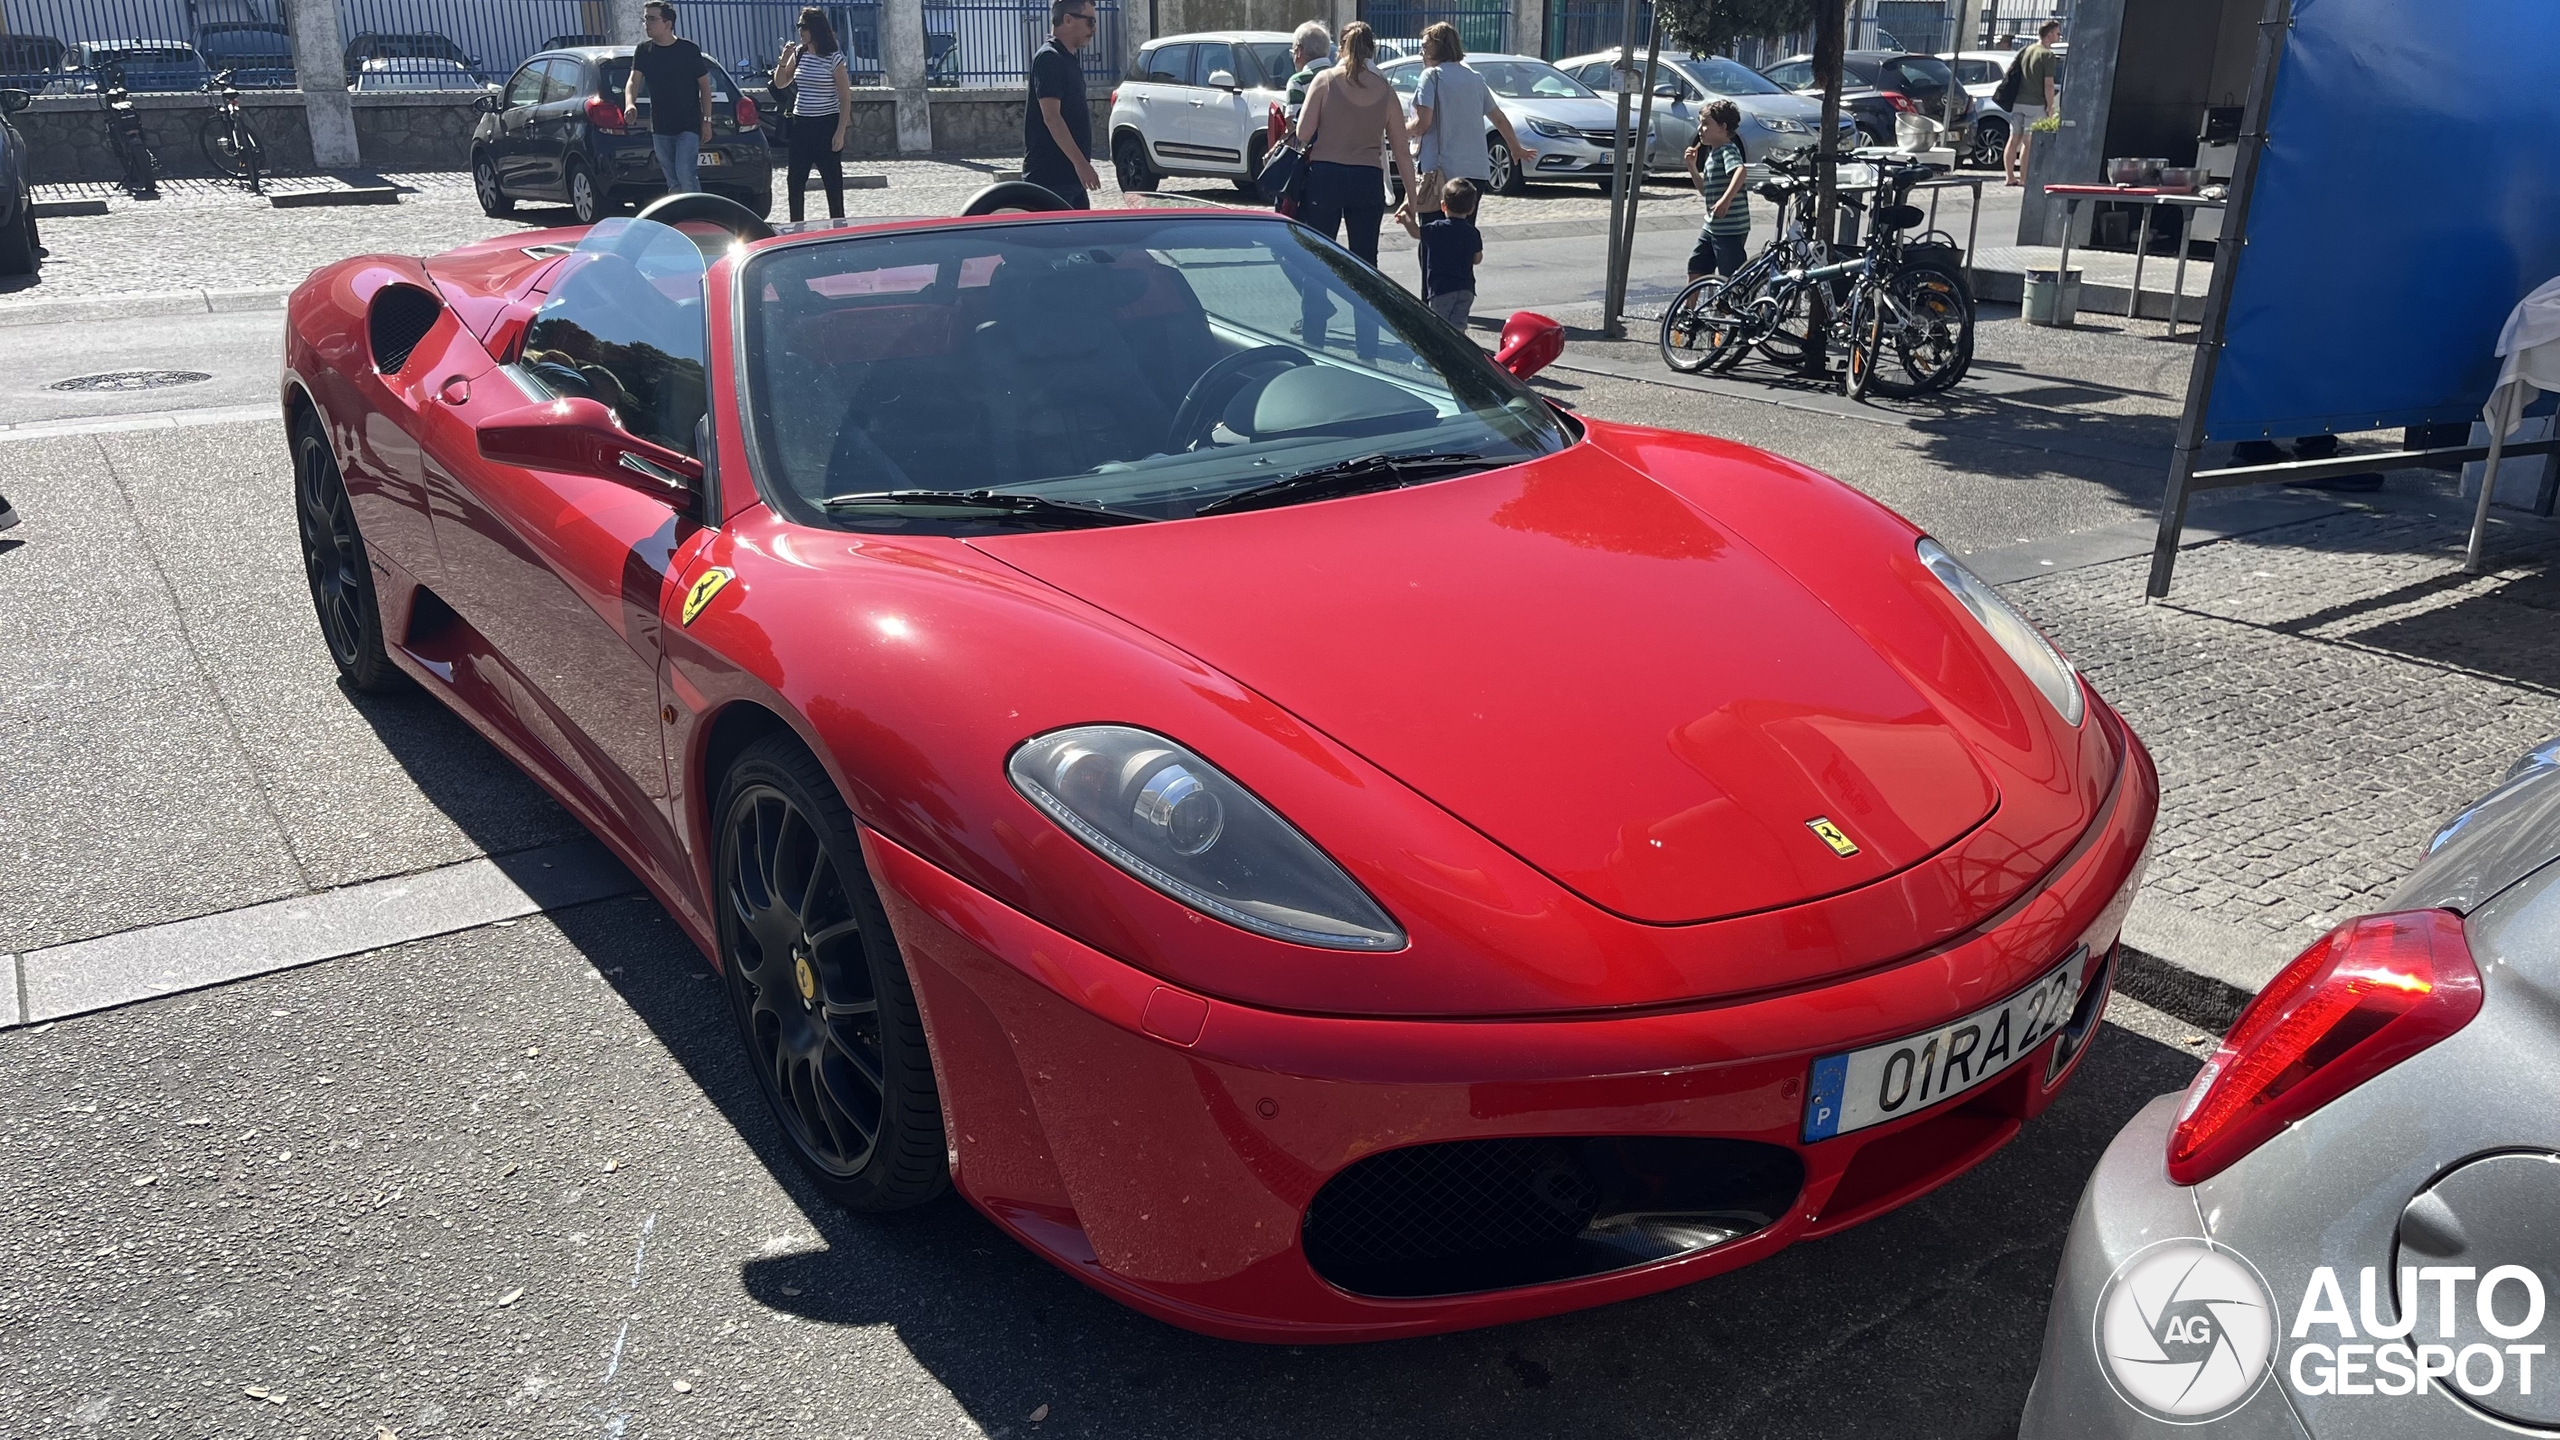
1001,502
1351,477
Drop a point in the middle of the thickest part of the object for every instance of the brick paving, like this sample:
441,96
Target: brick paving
2319,698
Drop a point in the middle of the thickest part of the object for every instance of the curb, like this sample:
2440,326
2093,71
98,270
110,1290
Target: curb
137,304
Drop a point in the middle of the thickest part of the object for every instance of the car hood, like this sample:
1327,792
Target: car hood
1575,661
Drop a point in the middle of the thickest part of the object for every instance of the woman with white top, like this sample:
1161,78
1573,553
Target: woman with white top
821,108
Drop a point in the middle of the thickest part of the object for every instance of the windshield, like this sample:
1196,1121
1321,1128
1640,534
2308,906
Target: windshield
1150,366
1527,80
1720,76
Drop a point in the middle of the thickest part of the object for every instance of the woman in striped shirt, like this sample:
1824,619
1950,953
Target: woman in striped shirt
821,108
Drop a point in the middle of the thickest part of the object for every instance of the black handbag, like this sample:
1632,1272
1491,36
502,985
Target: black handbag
1284,172
2006,97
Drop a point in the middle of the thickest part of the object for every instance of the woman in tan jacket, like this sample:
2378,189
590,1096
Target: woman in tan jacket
1351,121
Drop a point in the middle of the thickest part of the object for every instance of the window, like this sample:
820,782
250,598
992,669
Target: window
1526,80
1920,75
1170,65
1725,77
624,327
526,88
560,80
1271,59
1978,72
1795,74
1214,56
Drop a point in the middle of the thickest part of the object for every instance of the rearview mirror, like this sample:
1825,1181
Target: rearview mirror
13,101
1223,79
1530,343
581,437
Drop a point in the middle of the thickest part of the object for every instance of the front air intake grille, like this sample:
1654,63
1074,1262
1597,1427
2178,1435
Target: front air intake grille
1473,1215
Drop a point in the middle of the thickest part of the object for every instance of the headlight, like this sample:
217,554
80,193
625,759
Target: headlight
1781,125
1552,129
1175,822
2046,666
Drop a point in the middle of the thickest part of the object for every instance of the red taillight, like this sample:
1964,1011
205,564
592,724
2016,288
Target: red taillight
748,116
1902,104
2363,998
604,115
1115,94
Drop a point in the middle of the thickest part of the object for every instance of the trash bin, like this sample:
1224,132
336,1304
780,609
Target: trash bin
2052,297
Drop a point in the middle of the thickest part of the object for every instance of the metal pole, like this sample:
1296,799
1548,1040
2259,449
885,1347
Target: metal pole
2277,20
1610,323
1638,167
2471,564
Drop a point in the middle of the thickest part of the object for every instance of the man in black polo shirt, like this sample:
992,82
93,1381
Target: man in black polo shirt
1057,124
671,72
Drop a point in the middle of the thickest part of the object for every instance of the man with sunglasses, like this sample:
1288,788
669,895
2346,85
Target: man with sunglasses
1057,123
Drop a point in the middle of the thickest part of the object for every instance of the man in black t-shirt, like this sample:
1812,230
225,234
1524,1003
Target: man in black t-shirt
678,84
1057,123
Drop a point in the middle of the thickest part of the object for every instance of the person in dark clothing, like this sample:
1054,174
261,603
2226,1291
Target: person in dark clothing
1057,121
821,109
1451,249
672,73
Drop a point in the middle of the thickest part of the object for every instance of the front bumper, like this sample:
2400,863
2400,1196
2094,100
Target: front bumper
1166,1147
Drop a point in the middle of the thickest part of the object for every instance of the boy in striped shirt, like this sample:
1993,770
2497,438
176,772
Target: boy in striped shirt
1716,168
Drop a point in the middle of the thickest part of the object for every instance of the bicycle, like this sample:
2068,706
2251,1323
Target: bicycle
1714,319
125,135
229,145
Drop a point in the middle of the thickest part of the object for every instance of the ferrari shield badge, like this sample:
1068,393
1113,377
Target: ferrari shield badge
1830,834
712,582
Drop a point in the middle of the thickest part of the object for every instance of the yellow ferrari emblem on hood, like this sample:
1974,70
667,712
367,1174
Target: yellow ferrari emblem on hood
712,582
1833,836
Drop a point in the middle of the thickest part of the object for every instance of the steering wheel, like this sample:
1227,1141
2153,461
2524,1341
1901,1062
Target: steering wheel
1208,396
720,210
1013,195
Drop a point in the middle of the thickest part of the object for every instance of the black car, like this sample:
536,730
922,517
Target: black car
258,54
557,131
17,196
412,45
1876,85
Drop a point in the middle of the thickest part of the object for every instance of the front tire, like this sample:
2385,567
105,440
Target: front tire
18,243
1130,166
1695,332
820,992
335,562
1990,140
1507,179
587,204
494,200
230,147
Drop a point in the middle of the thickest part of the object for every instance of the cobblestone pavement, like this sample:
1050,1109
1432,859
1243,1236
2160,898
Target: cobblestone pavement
2319,697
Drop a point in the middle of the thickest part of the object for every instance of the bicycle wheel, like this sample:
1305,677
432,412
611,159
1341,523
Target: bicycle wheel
1789,342
1866,338
1925,324
141,167
1697,331
230,147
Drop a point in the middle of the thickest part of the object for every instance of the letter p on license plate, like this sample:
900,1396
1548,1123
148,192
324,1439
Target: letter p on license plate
1884,1082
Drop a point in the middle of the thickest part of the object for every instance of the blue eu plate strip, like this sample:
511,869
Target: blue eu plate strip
1822,1102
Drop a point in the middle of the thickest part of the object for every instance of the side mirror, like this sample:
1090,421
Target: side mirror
581,437
487,102
1223,79
1530,343
13,101
1666,92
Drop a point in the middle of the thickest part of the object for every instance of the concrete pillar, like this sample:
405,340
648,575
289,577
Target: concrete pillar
1528,27
1137,27
622,22
902,56
320,69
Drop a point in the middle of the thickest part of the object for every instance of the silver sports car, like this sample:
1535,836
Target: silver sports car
2349,1224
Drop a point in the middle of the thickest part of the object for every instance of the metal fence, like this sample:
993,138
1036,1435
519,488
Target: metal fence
1579,27
1483,28
989,42
56,45
488,39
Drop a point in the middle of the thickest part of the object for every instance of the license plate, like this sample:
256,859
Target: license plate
1884,1082
711,157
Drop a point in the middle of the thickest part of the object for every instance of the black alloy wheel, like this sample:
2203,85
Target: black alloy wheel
1130,166
333,557
820,991
587,203
494,201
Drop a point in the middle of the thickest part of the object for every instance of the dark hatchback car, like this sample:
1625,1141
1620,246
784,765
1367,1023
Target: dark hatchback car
557,131
1876,85
17,197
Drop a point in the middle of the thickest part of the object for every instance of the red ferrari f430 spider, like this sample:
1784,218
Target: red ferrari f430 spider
1162,735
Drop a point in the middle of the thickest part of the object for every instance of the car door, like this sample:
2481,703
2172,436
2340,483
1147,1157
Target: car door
563,575
1216,128
558,121
1167,103
512,155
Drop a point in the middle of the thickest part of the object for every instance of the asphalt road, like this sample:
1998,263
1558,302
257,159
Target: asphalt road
514,1180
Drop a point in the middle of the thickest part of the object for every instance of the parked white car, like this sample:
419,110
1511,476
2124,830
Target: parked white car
1567,125
1979,72
1198,105
1775,120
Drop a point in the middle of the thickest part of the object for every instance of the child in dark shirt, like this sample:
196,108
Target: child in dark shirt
1451,251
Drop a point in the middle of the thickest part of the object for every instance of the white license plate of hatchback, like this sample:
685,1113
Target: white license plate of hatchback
1859,1088
711,157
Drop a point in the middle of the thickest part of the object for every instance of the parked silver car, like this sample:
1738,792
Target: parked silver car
1570,128
1775,120
2346,1227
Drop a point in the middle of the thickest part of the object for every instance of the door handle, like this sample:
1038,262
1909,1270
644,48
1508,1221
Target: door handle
455,391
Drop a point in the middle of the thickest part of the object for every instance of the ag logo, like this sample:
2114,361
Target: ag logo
711,583
2185,1331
